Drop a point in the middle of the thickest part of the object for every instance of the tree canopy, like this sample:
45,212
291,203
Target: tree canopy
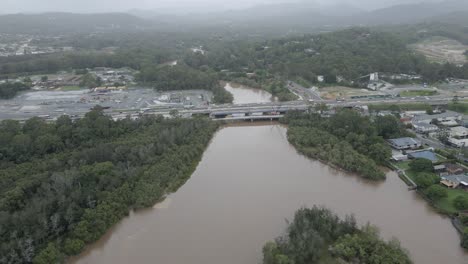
63,184
317,234
347,140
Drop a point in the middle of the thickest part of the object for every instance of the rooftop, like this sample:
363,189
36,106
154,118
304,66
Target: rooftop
451,166
445,114
463,179
459,131
425,125
404,141
424,155
458,142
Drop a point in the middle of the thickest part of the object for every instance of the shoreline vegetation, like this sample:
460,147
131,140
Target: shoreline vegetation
317,235
64,184
346,140
277,88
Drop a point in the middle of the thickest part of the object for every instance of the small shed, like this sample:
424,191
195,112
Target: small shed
439,168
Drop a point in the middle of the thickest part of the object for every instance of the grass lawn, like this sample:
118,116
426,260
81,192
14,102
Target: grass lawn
446,204
70,88
460,107
410,174
399,107
417,93
402,165
441,158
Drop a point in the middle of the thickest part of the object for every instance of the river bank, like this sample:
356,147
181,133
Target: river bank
256,180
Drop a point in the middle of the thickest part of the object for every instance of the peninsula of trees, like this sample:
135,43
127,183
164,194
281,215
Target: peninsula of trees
346,140
63,184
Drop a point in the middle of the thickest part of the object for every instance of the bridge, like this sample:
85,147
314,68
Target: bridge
230,112
267,111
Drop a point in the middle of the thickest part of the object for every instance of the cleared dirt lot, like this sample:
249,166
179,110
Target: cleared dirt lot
442,50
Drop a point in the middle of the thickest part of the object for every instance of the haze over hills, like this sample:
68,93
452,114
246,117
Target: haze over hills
411,13
280,18
341,13
59,23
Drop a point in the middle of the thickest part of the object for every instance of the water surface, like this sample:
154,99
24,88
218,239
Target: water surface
249,181
246,95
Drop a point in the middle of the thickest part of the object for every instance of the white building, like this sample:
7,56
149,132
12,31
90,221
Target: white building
424,128
458,142
459,132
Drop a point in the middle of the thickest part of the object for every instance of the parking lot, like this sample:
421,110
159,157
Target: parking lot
51,104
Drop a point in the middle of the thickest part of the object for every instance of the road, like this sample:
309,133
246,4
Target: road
431,142
245,108
306,94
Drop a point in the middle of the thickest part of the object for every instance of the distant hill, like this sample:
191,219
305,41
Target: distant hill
413,13
455,18
267,19
308,16
62,23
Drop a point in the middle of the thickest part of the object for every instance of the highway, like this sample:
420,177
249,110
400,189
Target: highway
256,109
229,110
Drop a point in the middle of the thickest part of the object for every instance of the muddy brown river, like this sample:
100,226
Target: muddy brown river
249,181
246,95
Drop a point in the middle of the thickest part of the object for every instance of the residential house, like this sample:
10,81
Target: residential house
406,120
465,121
454,169
459,143
424,128
455,181
459,132
404,143
448,118
426,154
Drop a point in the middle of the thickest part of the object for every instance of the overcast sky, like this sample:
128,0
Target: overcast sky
86,6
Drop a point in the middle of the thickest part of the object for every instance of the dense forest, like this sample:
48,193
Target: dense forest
319,236
346,140
180,77
340,57
349,54
51,63
63,184
417,32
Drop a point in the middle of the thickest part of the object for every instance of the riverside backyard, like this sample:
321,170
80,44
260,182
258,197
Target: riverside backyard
452,202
